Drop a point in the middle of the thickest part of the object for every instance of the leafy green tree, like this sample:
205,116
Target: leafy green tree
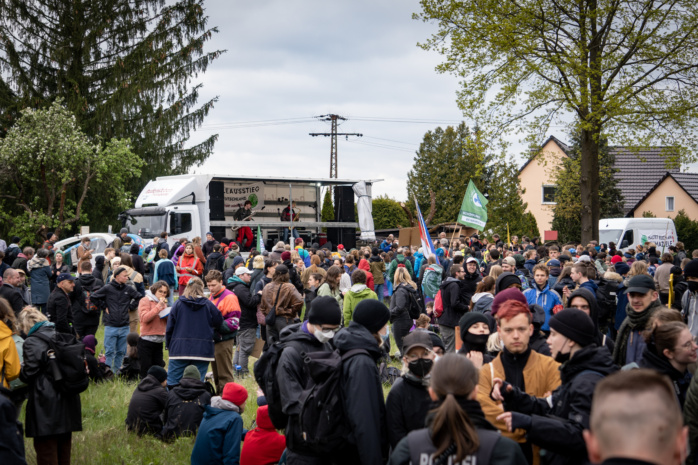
620,67
327,212
48,167
687,231
446,160
123,68
567,212
388,214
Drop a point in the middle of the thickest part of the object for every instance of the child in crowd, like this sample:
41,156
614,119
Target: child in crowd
131,366
99,371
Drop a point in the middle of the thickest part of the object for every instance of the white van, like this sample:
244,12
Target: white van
628,233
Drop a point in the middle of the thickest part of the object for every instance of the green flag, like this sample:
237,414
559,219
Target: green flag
260,240
473,210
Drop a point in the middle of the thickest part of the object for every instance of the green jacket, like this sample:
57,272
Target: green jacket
356,294
393,266
324,289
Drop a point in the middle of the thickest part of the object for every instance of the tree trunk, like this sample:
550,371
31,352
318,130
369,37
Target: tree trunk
589,184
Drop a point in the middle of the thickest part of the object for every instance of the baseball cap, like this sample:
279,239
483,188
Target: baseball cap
417,339
584,258
554,263
641,284
242,270
509,261
340,247
472,259
64,277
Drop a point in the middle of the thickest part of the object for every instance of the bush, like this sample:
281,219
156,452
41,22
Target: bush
687,231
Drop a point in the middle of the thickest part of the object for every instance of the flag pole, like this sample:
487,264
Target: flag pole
508,236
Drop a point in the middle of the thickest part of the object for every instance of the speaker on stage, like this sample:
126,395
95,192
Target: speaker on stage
216,201
344,236
343,204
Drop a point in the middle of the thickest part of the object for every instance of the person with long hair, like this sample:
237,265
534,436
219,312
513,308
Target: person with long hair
314,267
457,431
330,286
8,352
284,298
152,326
404,296
188,267
189,332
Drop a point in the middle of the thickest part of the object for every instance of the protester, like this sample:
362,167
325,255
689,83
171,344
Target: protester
39,271
404,298
362,391
457,430
188,267
59,307
454,307
281,297
97,370
147,403
377,269
247,334
10,290
221,431
117,298
408,401
556,424
689,301
131,366
11,362
58,266
85,313
153,326
358,292
51,416
189,333
224,336
635,420
474,332
263,445
166,271
582,299
185,405
541,294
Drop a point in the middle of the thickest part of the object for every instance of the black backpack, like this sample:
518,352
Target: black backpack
265,375
415,308
322,420
67,363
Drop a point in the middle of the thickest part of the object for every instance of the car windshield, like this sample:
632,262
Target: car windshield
146,226
609,235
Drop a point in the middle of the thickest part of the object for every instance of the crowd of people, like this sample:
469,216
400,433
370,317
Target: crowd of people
510,353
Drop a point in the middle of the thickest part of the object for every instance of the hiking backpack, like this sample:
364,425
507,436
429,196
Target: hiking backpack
322,419
67,363
265,375
431,280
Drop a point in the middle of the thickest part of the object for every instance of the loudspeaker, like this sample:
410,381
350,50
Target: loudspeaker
219,233
344,236
343,204
216,202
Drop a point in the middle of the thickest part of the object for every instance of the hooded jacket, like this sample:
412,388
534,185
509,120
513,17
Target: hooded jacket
165,270
263,445
404,296
11,364
49,411
119,299
594,310
14,296
190,325
247,300
59,311
356,294
546,298
658,362
468,285
482,302
40,276
377,269
399,259
370,282
184,408
146,406
406,407
454,308
220,434
363,398
275,253
207,247
149,316
556,424
227,303
85,284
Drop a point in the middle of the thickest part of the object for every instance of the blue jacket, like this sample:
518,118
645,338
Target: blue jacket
385,247
622,304
190,325
166,271
546,298
40,283
219,437
591,285
530,264
418,257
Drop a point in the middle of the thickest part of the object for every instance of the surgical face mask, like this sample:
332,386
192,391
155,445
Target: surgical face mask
420,367
386,336
323,336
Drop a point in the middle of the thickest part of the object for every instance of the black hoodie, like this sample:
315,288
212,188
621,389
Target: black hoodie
558,429
146,407
85,285
594,310
184,408
363,398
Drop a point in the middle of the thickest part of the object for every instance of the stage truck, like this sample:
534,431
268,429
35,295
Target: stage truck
192,205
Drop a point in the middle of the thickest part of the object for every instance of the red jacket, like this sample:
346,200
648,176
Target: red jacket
189,261
363,265
263,445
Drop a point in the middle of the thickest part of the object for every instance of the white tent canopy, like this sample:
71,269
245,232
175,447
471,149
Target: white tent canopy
364,207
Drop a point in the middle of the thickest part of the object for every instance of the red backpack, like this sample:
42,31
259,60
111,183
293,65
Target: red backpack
438,305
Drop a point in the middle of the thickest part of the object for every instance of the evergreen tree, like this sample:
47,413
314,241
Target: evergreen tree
446,160
567,219
327,212
124,69
388,214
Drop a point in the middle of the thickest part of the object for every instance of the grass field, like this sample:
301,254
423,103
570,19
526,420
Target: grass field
104,439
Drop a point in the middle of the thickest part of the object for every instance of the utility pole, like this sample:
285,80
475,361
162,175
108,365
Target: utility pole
333,148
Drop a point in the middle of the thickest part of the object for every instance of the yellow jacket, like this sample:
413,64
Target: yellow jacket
10,359
541,377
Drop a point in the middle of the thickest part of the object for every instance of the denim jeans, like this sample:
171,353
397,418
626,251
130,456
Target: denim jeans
294,232
175,369
115,345
379,288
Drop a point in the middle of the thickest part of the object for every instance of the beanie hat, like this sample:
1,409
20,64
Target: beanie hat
505,280
623,268
238,260
616,258
470,319
132,339
371,314
676,270
119,270
235,393
436,340
324,310
285,255
90,343
281,269
191,372
507,294
123,231
519,259
574,324
158,372
691,270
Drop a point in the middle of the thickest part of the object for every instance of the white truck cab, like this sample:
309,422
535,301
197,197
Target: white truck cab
627,233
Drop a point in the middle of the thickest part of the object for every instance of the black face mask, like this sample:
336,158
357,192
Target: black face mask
420,367
562,358
692,286
477,341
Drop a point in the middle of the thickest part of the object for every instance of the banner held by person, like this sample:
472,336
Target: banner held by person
427,245
473,210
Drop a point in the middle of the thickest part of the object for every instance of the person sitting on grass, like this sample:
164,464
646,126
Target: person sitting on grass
99,372
131,367
221,432
148,403
262,444
185,405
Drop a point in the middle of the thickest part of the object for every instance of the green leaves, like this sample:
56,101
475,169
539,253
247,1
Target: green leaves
388,214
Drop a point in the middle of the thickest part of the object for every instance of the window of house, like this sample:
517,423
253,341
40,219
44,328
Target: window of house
670,204
180,223
549,194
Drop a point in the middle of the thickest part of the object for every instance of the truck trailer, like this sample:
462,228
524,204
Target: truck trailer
192,205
